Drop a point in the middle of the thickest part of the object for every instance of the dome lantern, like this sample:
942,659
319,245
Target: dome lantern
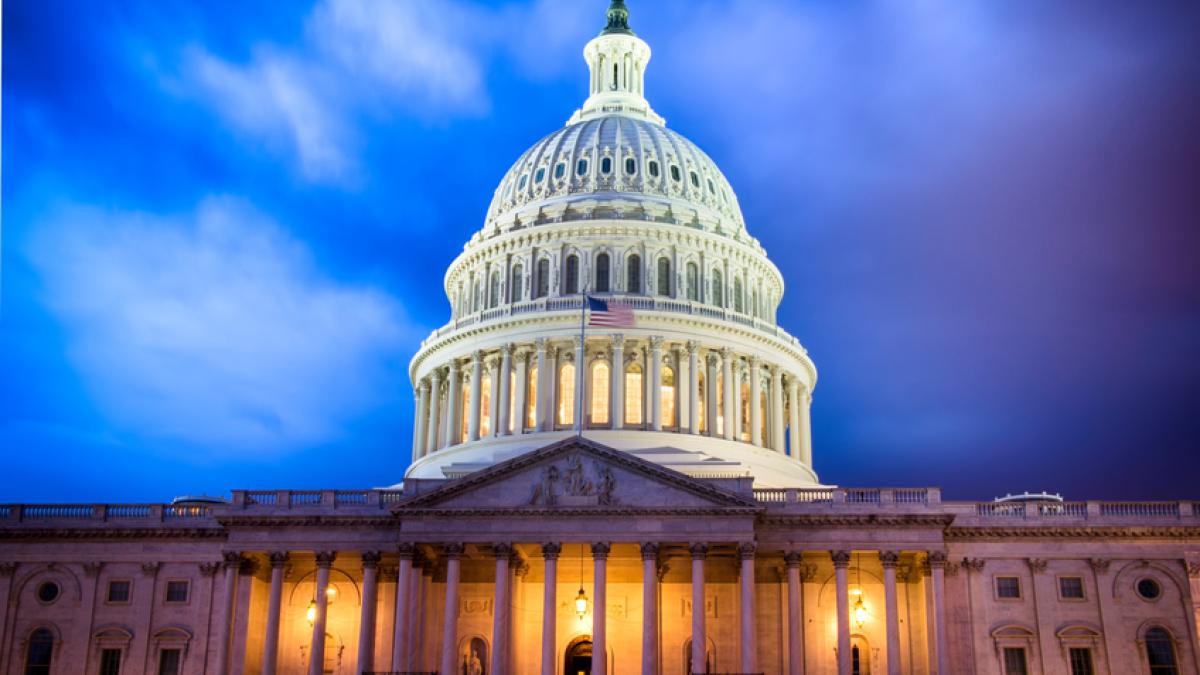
617,60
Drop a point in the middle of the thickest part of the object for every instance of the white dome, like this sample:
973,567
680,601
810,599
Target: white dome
616,156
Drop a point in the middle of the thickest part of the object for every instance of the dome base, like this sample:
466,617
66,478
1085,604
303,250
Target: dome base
692,455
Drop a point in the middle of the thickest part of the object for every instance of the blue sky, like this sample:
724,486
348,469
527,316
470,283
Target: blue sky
225,227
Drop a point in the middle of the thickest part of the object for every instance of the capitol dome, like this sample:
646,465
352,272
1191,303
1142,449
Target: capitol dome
615,207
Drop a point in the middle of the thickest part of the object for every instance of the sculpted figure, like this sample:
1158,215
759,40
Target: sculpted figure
576,484
607,485
543,490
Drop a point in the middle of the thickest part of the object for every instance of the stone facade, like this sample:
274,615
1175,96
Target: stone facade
780,573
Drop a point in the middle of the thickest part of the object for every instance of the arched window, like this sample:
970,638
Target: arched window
474,293
701,400
667,392
744,411
695,179
675,174
572,285
693,278
633,274
606,165
615,77
718,289
506,415
485,405
600,379
566,394
523,182
1160,652
754,302
539,175
633,394
581,167
737,295
764,417
464,399
652,167
543,278
517,286
602,273
40,652
630,166
560,169
664,276
494,293
531,388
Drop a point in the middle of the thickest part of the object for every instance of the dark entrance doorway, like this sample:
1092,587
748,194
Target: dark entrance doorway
578,659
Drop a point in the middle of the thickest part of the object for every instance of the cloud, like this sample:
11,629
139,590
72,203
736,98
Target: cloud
215,328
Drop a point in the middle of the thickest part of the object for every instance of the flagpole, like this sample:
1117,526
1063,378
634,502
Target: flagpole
579,366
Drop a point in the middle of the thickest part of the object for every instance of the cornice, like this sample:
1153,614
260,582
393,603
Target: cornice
110,532
578,512
383,520
1074,532
939,521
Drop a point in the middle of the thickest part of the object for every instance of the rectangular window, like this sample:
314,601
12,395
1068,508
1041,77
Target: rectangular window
177,591
1081,661
118,591
1008,588
110,662
1070,588
1014,661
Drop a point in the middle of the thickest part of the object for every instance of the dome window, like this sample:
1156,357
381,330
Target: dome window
560,170
524,180
695,180
711,190
540,175
581,167
664,276
606,165
652,167
542,282
676,175
633,274
572,285
631,166
602,273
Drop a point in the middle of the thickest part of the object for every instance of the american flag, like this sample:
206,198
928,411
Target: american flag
609,314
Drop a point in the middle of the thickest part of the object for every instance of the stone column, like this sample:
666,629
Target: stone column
730,388
501,424
401,648
937,565
617,388
274,603
649,609
777,409
755,405
841,563
493,366
501,619
683,378
711,394
891,610
580,385
520,400
539,403
473,397
795,614
449,659
422,421
600,608
794,418
655,383
316,651
805,428
549,606
549,387
435,414
738,403
749,633
232,562
366,622
693,356
699,637
453,431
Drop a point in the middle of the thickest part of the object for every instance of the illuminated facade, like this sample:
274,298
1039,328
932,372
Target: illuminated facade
641,500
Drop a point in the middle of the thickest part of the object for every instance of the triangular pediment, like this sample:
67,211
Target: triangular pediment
576,473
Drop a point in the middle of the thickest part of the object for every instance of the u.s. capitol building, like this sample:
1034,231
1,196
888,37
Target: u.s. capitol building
631,497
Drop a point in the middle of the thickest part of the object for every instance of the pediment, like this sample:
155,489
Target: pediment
576,473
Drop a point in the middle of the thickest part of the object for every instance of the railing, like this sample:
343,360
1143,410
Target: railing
305,498
636,302
262,497
356,497
912,495
1140,509
1063,510
38,512
770,496
122,511
858,496
1000,510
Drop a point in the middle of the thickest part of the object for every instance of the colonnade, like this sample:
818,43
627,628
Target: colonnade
651,383
415,598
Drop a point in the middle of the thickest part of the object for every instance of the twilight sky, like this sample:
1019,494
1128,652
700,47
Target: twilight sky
226,225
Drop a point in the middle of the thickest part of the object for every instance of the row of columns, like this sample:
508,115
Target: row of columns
410,597
786,409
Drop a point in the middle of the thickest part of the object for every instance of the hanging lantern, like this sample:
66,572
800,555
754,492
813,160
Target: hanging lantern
860,612
581,604
311,614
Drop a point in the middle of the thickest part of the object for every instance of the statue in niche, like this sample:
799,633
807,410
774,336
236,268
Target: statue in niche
474,658
576,484
544,491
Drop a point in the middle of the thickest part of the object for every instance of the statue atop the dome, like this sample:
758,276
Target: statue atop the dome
618,19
